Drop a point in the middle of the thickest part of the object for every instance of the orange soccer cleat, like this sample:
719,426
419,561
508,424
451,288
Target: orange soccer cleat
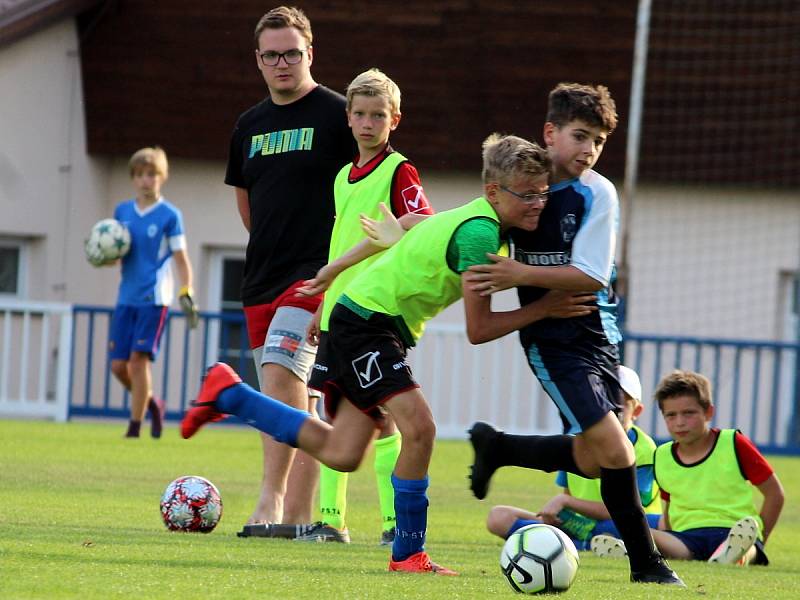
419,563
218,378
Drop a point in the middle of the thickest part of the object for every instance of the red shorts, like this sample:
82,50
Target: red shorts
259,316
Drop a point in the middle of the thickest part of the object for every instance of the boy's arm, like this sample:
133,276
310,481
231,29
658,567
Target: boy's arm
503,273
380,235
243,205
587,508
773,503
186,293
325,276
484,325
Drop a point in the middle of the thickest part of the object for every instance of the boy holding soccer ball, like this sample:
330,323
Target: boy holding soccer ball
707,477
146,287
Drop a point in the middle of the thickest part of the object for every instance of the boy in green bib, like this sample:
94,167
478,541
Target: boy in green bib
706,476
377,176
579,511
380,315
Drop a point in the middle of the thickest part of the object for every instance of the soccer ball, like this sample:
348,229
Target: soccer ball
108,240
539,559
191,503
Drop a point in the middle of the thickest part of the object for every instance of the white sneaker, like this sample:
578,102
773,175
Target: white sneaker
608,546
741,538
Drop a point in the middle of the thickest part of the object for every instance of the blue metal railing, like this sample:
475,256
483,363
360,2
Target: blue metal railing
182,359
755,382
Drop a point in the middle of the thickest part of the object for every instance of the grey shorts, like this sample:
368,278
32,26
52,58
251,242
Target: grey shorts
286,345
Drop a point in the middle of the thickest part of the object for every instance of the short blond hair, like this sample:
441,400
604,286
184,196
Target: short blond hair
509,156
154,157
282,17
375,83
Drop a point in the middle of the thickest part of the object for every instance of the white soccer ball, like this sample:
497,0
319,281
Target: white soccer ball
108,240
539,559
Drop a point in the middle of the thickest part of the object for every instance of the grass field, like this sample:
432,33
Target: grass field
79,518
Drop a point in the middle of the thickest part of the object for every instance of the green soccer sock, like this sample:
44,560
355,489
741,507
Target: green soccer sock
386,453
332,496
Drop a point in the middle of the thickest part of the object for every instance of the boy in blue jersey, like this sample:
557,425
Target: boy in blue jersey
380,314
707,476
576,360
146,287
378,176
579,511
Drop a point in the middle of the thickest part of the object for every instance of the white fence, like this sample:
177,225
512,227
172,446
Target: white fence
35,340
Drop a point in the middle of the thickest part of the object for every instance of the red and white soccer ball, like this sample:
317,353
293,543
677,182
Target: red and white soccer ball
108,240
191,503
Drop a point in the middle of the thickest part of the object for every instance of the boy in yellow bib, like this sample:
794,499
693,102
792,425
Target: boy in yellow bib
706,477
378,174
382,313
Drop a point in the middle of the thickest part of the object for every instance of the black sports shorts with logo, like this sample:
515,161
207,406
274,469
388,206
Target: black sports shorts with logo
361,359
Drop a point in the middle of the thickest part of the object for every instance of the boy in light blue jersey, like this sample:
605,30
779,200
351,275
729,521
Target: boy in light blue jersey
380,314
575,360
146,287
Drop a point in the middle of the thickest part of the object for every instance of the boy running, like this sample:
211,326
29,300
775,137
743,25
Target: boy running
576,360
382,313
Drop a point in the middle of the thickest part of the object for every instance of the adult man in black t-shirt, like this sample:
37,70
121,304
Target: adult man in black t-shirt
284,155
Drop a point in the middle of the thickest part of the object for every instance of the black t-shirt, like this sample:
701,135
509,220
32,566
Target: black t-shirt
287,157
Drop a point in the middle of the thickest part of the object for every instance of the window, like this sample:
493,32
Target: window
232,345
10,268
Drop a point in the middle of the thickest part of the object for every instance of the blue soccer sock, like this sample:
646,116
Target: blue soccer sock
266,414
411,509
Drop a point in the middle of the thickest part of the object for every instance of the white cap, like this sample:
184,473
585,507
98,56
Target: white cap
629,381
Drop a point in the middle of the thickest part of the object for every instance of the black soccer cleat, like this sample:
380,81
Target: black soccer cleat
657,572
482,436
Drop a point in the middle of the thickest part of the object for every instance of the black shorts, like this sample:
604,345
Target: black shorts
363,360
581,379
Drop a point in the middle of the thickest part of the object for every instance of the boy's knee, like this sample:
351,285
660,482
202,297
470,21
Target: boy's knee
496,521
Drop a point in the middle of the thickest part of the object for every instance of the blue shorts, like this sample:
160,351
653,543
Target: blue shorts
703,541
136,329
581,380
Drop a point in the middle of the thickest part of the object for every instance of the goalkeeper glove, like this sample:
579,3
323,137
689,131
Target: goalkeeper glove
188,306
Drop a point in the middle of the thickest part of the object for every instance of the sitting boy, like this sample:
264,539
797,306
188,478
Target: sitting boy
706,477
580,511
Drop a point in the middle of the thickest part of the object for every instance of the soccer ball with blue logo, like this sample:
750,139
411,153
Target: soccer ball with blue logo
108,240
539,559
191,503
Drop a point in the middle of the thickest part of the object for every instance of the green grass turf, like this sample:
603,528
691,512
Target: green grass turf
79,518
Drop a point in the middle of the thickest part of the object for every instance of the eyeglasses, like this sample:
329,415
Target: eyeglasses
528,198
270,58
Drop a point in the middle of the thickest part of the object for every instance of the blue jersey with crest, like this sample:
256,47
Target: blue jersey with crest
577,227
156,232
